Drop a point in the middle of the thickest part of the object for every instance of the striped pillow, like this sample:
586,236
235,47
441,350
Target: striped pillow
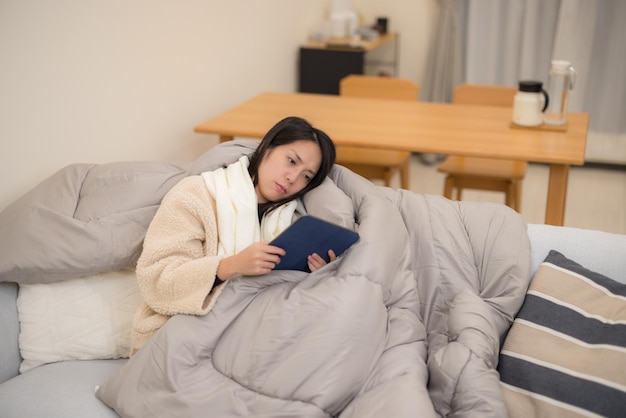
565,354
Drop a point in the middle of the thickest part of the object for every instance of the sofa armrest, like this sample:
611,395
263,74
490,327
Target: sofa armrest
9,332
599,251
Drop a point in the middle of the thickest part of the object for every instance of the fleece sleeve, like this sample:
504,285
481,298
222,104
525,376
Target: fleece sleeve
177,268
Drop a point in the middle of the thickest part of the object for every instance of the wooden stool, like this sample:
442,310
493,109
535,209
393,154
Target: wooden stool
484,174
369,162
376,164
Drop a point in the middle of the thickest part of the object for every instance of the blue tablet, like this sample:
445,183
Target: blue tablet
309,235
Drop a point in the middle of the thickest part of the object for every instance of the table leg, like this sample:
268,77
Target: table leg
224,138
557,192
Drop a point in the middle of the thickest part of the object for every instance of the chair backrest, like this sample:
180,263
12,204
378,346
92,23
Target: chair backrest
484,95
378,87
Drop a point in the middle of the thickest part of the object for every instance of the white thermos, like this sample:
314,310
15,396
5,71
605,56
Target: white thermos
560,82
529,103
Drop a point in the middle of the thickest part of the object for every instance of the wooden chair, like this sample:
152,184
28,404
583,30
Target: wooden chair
484,173
377,163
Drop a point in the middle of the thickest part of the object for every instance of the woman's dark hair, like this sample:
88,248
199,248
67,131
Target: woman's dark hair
288,130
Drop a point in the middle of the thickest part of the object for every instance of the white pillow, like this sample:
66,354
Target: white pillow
79,319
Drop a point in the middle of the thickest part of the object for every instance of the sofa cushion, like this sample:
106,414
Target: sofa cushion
9,330
566,350
58,390
78,319
600,251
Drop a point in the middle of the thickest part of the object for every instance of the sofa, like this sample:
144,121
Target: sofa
441,308
66,389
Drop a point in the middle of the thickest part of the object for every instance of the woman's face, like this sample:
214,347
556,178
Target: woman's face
287,169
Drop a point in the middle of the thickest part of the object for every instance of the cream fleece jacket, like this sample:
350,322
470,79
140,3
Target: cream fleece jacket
176,270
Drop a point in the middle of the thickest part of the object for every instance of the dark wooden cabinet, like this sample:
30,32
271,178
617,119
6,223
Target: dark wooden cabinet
322,65
321,69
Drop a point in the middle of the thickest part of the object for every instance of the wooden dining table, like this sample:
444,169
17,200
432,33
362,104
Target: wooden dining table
440,128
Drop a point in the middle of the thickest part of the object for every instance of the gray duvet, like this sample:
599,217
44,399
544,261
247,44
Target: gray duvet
406,323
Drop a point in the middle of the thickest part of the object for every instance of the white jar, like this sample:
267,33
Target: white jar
529,103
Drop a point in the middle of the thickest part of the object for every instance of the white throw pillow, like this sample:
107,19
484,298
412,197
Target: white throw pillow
79,319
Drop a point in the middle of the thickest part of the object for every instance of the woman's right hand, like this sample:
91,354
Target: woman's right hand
256,259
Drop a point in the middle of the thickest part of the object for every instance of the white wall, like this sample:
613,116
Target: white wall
117,80
414,21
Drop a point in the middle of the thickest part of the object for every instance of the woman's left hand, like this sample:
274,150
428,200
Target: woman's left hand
315,262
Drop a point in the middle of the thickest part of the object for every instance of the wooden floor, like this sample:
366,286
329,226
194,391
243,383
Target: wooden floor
596,197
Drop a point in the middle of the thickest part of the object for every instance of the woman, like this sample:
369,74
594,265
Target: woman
188,254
